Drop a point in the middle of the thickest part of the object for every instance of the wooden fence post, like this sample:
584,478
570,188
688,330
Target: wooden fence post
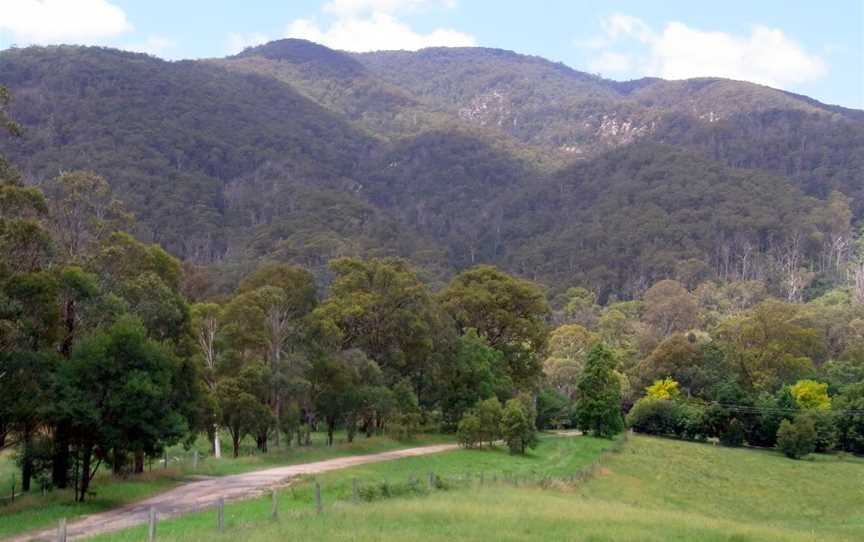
151,525
431,480
220,515
274,509
61,530
317,498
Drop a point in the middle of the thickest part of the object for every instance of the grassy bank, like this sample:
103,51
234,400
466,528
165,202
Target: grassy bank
34,511
654,490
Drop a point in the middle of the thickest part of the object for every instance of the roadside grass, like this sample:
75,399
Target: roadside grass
554,457
653,490
33,511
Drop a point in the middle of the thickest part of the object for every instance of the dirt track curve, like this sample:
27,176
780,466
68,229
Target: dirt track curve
201,494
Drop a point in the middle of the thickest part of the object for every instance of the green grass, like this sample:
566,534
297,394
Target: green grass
34,511
555,457
653,490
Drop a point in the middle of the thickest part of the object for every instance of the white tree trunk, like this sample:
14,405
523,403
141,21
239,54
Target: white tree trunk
217,448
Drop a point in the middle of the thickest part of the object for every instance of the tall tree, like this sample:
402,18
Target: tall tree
381,307
510,313
598,404
266,320
119,392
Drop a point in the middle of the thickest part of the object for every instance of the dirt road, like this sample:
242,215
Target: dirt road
205,493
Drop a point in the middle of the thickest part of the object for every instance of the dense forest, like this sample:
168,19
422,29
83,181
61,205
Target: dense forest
297,239
500,159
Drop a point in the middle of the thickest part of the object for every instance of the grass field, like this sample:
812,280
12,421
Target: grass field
35,511
653,490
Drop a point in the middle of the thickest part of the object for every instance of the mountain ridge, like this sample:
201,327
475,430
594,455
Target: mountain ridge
258,155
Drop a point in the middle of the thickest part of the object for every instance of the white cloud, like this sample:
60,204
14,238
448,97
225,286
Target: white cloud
155,45
765,56
237,42
353,8
55,21
376,32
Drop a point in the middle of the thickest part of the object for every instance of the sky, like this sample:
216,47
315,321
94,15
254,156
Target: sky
810,47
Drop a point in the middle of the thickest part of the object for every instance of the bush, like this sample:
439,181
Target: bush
825,425
669,418
654,416
517,426
797,439
470,431
734,434
490,413
553,409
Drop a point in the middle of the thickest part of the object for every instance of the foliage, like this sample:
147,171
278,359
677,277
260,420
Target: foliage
517,425
797,439
507,311
553,409
850,418
598,404
663,417
663,389
810,394
120,391
477,372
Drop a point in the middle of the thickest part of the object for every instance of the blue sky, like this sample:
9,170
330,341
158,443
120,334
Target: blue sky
814,48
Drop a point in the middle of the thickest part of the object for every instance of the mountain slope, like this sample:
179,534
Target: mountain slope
449,157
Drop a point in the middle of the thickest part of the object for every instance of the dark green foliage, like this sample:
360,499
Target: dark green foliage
797,439
553,409
297,152
469,431
668,418
517,425
476,373
850,419
119,393
733,434
508,312
598,403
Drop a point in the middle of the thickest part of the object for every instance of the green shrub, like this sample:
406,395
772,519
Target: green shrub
517,426
825,425
654,416
470,431
734,434
797,439
667,417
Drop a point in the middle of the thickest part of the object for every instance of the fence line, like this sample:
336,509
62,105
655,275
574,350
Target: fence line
385,489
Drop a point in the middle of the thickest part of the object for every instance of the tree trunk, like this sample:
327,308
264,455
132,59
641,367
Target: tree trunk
118,460
69,323
27,461
60,459
217,446
331,426
352,429
235,439
139,462
85,473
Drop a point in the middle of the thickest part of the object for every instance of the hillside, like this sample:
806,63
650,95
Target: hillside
297,152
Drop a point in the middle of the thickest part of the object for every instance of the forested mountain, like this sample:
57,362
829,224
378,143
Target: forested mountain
449,157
